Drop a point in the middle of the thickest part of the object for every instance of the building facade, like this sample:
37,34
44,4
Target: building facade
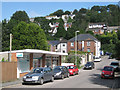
85,43
58,45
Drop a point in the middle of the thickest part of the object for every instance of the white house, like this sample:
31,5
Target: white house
96,25
52,17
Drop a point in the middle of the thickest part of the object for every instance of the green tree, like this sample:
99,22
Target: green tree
75,11
117,50
58,13
29,36
83,10
21,16
67,13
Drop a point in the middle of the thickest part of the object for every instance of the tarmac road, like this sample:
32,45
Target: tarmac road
85,79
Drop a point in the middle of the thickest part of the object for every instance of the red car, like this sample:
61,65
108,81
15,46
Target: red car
107,72
72,69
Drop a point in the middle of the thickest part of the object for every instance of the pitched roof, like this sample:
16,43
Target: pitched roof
63,41
83,37
55,42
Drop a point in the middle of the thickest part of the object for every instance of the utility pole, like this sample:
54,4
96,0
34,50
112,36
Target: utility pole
10,47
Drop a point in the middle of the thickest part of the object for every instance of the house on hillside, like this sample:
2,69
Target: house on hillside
52,17
111,28
85,43
97,28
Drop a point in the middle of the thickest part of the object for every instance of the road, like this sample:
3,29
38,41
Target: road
85,79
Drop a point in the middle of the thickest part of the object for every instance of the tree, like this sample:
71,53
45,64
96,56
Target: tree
95,8
20,16
29,36
58,13
90,32
0,36
75,11
118,34
83,10
117,49
67,13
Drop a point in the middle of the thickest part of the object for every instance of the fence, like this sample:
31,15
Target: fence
9,71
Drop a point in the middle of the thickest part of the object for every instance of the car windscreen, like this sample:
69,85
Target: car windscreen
108,69
70,67
57,69
88,63
37,70
115,64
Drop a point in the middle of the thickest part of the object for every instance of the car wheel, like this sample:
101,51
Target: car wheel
41,81
101,77
52,79
68,75
62,76
113,76
77,72
73,73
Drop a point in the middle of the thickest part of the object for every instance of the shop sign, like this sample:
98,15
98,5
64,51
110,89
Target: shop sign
19,55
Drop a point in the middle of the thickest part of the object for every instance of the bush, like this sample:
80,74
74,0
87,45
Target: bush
3,59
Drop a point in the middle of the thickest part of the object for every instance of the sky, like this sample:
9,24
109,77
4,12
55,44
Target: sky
34,9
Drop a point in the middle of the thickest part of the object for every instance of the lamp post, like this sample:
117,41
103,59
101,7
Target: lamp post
76,47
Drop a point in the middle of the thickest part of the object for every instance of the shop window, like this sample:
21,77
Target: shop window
24,65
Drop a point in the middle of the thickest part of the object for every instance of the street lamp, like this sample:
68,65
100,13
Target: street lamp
76,47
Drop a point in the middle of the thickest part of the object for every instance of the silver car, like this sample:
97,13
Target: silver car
39,75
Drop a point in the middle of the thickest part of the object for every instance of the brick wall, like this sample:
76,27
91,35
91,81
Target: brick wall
79,46
92,46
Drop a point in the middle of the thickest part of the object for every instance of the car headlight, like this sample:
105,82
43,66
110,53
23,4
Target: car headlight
71,71
89,66
35,77
58,73
102,72
24,77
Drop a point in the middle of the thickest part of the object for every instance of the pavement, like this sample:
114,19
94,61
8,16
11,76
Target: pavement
12,82
85,79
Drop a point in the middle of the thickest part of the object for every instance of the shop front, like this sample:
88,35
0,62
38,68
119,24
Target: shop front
28,59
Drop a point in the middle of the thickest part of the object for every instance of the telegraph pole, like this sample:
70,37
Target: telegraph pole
10,47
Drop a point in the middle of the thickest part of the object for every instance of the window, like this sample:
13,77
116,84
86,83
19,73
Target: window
63,51
72,44
63,45
88,43
72,49
88,49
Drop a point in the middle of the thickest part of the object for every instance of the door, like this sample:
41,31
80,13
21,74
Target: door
49,73
46,75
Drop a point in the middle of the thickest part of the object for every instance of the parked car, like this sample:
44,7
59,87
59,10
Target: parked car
115,65
39,75
107,72
89,65
73,69
61,72
97,59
